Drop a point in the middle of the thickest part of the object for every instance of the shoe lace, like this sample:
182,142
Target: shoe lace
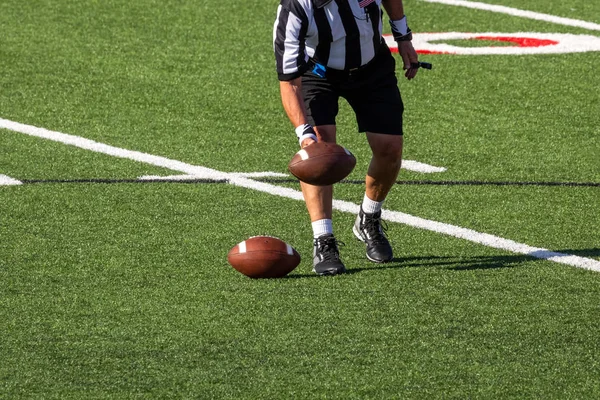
376,228
328,248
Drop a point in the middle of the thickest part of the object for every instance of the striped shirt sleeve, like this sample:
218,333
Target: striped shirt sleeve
289,34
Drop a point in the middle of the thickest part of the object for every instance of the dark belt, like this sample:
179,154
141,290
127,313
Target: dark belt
349,74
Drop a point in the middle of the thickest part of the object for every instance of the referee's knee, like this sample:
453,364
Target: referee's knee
387,147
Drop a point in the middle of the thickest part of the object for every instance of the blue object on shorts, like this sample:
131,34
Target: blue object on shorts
319,70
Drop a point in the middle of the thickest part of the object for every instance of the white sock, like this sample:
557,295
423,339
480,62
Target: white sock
322,227
371,207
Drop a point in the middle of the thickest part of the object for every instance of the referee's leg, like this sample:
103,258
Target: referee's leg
385,164
379,108
381,176
319,199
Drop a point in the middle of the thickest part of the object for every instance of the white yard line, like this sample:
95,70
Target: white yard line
409,165
520,13
345,206
267,174
176,178
7,181
406,164
170,178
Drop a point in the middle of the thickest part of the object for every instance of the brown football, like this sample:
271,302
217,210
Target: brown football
263,257
322,164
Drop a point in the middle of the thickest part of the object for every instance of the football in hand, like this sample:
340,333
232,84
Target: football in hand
263,257
322,164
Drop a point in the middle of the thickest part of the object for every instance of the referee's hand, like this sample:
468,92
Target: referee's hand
307,142
409,58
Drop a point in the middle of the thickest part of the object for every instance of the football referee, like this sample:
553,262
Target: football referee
327,49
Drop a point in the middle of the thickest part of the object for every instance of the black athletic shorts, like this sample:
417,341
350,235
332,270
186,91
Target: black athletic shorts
372,92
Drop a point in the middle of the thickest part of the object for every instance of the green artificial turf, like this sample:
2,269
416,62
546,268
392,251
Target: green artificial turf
97,307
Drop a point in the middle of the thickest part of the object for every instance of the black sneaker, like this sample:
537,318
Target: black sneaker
326,257
368,229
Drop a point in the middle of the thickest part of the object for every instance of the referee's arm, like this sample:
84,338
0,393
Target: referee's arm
293,103
288,42
395,10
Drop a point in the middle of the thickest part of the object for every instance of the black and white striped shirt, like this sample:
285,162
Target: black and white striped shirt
339,34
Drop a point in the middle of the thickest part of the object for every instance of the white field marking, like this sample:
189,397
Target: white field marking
169,178
564,43
266,174
410,165
520,13
344,206
416,166
8,181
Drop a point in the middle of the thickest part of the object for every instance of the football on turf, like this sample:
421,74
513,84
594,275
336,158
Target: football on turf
263,257
322,164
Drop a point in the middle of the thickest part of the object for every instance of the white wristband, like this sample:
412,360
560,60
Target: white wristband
305,131
306,136
400,26
301,128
